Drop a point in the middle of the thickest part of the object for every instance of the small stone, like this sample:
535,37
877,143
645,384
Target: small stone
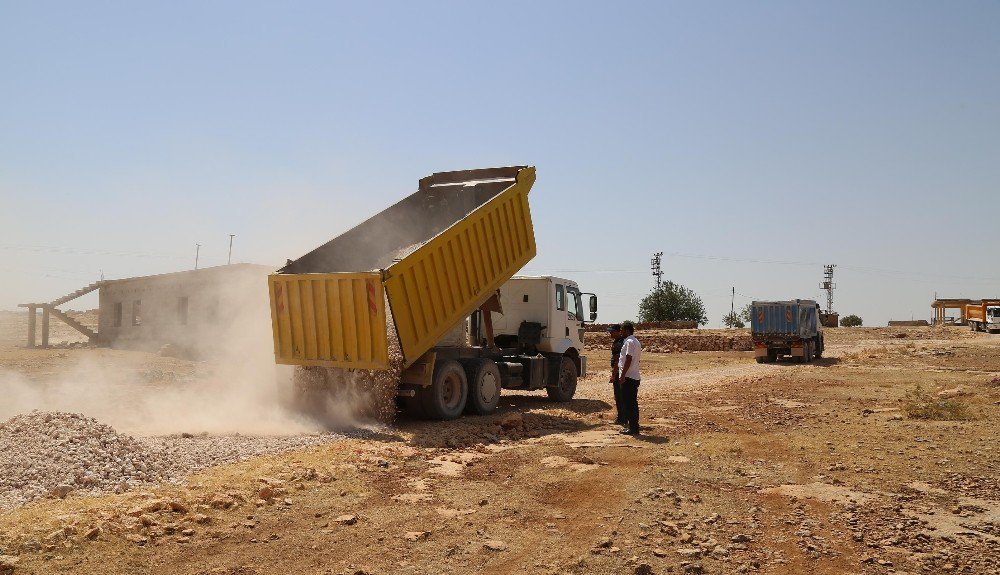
201,518
512,420
416,535
137,539
61,491
495,545
659,552
741,538
93,533
178,507
604,543
643,569
689,552
347,519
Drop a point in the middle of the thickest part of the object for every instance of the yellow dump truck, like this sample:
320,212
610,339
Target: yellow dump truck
436,271
984,315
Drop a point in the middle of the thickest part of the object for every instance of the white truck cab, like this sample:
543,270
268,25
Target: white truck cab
556,305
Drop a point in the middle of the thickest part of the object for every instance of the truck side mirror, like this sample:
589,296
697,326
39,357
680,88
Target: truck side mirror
593,306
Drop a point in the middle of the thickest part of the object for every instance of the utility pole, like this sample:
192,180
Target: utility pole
197,252
828,285
657,272
229,260
732,302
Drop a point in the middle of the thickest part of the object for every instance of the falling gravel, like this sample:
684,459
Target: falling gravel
56,453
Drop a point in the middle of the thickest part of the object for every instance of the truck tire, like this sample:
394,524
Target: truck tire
448,392
819,348
485,383
805,353
761,359
566,386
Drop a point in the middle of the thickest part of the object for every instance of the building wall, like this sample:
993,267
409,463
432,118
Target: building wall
221,303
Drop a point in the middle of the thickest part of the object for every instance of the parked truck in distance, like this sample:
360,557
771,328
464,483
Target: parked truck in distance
435,273
786,328
984,316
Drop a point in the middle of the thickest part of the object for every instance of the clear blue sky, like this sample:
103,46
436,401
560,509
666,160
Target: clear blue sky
751,142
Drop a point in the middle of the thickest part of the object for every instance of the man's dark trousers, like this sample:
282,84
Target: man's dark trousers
630,402
619,405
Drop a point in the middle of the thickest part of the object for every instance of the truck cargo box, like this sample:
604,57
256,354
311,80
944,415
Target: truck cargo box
435,257
795,319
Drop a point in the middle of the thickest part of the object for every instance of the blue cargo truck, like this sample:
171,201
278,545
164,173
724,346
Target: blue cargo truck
786,328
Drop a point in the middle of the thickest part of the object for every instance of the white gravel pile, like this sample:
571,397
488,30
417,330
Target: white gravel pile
55,453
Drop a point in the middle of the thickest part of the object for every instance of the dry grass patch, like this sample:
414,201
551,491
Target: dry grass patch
922,405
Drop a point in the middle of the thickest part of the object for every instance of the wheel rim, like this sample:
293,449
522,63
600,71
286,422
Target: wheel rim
451,391
489,388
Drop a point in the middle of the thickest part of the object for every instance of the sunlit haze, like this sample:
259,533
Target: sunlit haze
750,142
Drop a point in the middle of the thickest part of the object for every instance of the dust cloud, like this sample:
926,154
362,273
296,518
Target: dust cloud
235,388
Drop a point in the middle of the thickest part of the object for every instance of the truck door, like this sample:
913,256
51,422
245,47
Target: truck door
558,336
575,316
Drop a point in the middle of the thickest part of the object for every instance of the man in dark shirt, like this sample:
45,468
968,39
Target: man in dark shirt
616,349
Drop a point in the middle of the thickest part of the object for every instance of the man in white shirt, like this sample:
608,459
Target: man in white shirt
628,369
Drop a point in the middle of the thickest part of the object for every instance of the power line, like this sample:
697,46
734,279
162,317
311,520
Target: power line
72,250
859,268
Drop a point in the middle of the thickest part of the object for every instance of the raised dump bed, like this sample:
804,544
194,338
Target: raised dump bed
435,257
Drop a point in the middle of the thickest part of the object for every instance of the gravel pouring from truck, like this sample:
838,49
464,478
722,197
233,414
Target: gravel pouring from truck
786,328
440,259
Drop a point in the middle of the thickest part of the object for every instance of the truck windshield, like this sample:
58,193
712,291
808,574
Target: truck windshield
993,311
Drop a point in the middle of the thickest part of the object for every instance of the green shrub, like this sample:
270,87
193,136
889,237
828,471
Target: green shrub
850,321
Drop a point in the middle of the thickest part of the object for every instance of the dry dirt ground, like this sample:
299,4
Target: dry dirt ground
742,468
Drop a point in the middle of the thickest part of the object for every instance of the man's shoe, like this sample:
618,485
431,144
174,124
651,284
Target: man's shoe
621,422
628,431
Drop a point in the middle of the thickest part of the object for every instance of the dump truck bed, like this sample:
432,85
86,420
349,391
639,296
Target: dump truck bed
435,257
795,319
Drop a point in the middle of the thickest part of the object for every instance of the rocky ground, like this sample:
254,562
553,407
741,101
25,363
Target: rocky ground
881,458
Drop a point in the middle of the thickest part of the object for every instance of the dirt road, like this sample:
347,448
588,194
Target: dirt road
743,468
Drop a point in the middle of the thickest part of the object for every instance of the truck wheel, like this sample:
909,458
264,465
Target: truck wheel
772,357
761,359
446,396
484,386
819,348
566,386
